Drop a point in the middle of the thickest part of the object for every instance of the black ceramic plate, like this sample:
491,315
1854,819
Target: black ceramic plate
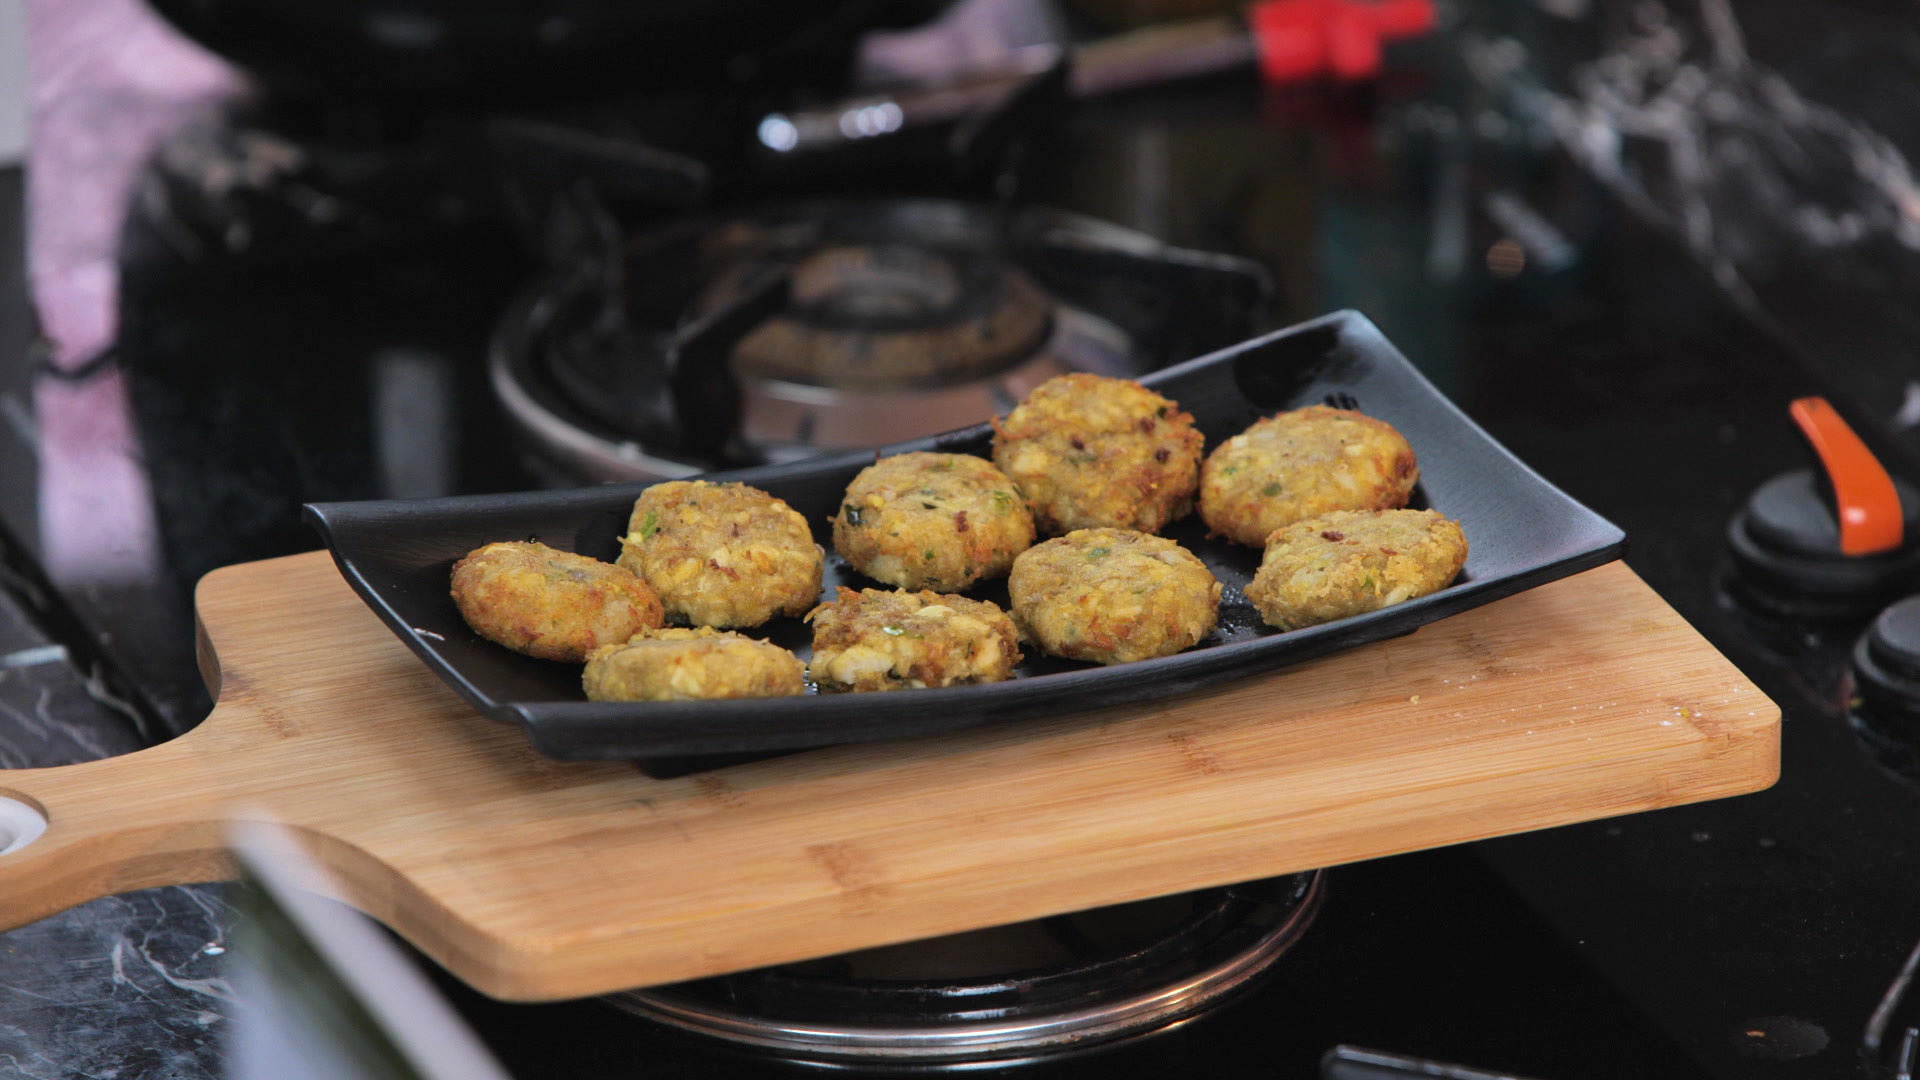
1522,531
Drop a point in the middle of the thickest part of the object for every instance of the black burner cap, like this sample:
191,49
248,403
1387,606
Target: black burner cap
1786,543
1886,661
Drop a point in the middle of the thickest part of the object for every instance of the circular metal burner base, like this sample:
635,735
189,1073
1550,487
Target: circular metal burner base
834,1020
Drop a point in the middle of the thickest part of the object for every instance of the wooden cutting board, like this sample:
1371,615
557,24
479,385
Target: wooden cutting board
535,879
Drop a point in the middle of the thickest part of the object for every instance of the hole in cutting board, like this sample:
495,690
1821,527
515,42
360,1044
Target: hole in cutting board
20,825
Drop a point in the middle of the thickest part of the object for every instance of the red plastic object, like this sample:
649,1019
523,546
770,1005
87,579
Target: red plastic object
1302,39
1866,504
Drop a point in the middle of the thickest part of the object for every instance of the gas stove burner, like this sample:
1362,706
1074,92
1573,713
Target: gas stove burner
1003,996
904,317
887,312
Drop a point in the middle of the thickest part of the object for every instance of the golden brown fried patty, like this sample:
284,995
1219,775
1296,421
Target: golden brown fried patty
679,665
722,554
1300,464
941,521
1112,596
1354,561
549,603
875,640
1088,451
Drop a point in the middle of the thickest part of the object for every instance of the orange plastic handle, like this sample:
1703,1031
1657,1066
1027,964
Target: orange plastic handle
1866,504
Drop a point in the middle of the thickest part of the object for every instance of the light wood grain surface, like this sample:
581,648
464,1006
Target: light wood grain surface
535,879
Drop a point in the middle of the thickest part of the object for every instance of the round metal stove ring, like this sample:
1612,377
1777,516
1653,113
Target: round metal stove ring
1006,995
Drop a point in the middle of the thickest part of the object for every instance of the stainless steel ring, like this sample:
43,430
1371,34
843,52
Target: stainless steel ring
994,1041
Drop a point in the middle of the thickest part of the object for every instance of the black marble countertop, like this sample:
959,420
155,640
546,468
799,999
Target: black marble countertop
1712,210
131,985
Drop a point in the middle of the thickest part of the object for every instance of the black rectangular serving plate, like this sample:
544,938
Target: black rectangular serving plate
1522,531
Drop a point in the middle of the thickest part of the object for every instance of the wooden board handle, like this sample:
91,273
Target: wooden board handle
152,817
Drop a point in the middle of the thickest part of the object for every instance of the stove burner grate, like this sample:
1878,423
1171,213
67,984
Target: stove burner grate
902,318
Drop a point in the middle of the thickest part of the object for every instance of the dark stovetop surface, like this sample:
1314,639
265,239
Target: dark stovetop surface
1691,262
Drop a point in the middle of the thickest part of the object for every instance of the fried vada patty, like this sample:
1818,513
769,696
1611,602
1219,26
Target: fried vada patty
878,640
1089,451
1113,596
1354,561
940,521
677,664
1300,464
549,603
722,554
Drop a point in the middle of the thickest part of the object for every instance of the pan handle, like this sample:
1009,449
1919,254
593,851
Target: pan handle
74,833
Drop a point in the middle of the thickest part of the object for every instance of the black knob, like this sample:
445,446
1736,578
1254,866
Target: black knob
1886,662
1786,544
